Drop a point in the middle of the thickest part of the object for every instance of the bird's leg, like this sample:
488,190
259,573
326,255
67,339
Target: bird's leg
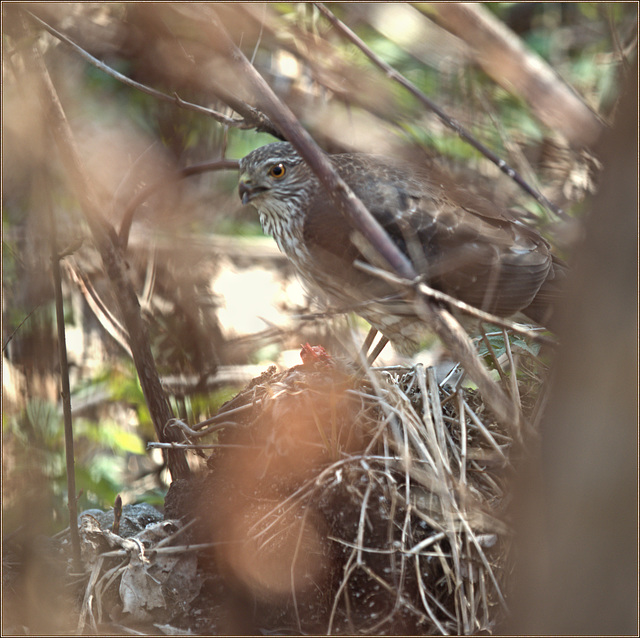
368,342
371,335
375,353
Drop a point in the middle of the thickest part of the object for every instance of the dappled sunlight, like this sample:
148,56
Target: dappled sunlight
253,299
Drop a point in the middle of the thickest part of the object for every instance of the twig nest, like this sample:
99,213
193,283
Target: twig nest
340,502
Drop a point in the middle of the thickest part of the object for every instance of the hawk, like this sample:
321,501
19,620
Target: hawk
462,246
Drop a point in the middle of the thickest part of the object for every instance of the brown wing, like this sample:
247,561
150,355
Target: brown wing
329,239
481,257
494,265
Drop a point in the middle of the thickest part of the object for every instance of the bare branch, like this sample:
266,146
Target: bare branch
466,308
504,57
65,388
252,116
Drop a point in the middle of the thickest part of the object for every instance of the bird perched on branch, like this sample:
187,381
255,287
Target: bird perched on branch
468,249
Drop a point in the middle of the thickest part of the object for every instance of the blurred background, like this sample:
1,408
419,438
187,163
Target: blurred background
220,302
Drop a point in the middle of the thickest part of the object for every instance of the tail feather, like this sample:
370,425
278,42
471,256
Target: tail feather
542,308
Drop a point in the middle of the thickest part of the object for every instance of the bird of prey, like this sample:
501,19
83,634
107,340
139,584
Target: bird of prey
462,246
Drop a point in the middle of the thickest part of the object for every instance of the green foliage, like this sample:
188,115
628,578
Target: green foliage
200,406
108,434
241,143
101,450
154,497
265,354
389,51
98,483
444,143
498,345
123,385
238,227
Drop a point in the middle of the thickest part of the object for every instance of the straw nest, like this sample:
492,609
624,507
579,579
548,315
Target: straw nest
346,502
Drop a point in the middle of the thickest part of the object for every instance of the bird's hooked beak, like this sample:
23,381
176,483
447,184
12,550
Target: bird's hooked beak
247,190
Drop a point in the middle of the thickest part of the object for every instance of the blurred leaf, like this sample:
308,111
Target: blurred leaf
46,422
499,348
101,481
153,497
203,406
110,434
241,143
519,343
239,228
126,387
497,345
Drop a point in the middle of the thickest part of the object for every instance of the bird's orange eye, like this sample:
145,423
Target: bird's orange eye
277,171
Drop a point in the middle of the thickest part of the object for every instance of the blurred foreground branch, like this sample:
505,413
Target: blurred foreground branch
578,504
443,323
503,56
159,95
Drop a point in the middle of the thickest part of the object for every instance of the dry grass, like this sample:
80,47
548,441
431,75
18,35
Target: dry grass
384,492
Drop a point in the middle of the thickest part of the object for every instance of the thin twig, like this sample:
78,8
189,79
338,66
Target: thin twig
350,566
463,440
85,609
65,386
198,446
515,392
10,337
361,522
466,308
485,432
492,354
173,99
450,122
425,603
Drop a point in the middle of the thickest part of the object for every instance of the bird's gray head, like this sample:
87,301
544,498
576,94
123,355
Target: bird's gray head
272,175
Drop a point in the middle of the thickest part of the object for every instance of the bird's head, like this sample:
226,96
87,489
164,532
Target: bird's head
272,174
